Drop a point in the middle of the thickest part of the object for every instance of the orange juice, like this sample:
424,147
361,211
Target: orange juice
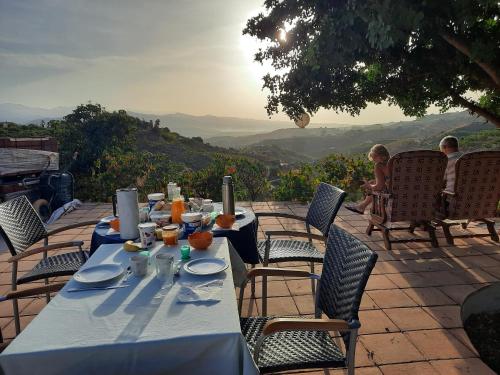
177,210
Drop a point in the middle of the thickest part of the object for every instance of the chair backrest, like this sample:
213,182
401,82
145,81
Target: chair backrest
416,181
324,207
347,266
477,186
20,225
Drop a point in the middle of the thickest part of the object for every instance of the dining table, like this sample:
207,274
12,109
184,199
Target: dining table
243,235
138,328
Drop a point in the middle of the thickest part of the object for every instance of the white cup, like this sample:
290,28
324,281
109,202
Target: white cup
147,233
139,265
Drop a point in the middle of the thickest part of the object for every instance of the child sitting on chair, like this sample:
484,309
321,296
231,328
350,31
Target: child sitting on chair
380,156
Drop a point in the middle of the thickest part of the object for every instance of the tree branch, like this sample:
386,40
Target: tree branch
491,117
462,47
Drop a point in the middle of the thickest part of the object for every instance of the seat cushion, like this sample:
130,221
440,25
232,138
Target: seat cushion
290,250
57,265
289,350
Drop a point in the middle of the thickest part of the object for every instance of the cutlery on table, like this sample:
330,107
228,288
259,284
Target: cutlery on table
97,288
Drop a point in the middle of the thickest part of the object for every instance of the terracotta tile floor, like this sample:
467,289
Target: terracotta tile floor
410,313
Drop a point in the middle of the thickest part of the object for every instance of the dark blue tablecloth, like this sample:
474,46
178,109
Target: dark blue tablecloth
244,240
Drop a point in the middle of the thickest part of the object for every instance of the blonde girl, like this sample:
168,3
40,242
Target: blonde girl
380,156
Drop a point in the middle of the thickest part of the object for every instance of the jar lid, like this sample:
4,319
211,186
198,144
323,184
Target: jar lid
156,196
189,217
170,227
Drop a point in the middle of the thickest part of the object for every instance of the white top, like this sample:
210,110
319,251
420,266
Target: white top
449,174
128,331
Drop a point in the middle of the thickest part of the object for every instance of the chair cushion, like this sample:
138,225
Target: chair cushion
290,250
289,350
57,265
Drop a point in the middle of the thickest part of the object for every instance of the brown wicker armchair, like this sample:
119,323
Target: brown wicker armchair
416,181
476,194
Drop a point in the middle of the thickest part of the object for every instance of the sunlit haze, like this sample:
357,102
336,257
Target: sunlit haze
148,56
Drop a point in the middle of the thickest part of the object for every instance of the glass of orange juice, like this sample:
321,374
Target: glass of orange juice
177,209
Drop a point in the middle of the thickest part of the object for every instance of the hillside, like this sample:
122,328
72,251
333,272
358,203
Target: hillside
405,135
184,124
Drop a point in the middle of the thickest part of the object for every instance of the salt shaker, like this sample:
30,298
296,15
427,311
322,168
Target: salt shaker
227,196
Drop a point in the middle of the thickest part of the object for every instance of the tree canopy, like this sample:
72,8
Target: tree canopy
344,54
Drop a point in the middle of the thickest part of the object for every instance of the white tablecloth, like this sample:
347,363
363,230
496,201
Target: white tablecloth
127,331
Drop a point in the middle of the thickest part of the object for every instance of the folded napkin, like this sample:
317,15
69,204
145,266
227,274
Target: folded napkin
211,291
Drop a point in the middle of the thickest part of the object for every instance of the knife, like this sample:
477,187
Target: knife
97,288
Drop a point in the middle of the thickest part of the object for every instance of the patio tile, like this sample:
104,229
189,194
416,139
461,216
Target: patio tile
457,292
249,308
423,279
305,304
475,276
420,368
274,289
494,271
428,296
447,316
411,318
438,344
462,336
471,366
391,267
391,348
359,371
376,282
367,303
391,298
279,306
375,321
299,287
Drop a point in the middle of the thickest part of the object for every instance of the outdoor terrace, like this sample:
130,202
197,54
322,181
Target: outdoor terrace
410,312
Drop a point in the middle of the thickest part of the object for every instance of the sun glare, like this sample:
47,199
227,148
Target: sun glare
282,35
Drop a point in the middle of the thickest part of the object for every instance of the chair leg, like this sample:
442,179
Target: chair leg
369,229
447,233
387,239
15,305
47,295
413,225
252,285
491,229
313,282
351,354
432,234
264,295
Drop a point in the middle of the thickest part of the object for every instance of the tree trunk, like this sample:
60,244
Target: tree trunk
462,47
491,117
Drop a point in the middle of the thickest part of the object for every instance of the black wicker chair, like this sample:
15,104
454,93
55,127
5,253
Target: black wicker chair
321,213
30,292
281,344
21,227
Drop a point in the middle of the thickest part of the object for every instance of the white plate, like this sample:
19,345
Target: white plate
99,274
107,219
205,266
238,211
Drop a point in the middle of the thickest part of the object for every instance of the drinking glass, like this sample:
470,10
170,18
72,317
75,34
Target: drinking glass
165,270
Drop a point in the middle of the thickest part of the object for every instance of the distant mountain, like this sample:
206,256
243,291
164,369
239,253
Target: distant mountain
184,124
22,114
398,136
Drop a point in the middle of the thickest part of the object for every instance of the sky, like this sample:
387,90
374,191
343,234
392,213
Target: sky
152,56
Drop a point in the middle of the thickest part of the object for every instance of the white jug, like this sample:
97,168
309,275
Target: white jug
128,208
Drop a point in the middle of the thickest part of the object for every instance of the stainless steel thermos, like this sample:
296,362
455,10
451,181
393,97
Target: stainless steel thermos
227,195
